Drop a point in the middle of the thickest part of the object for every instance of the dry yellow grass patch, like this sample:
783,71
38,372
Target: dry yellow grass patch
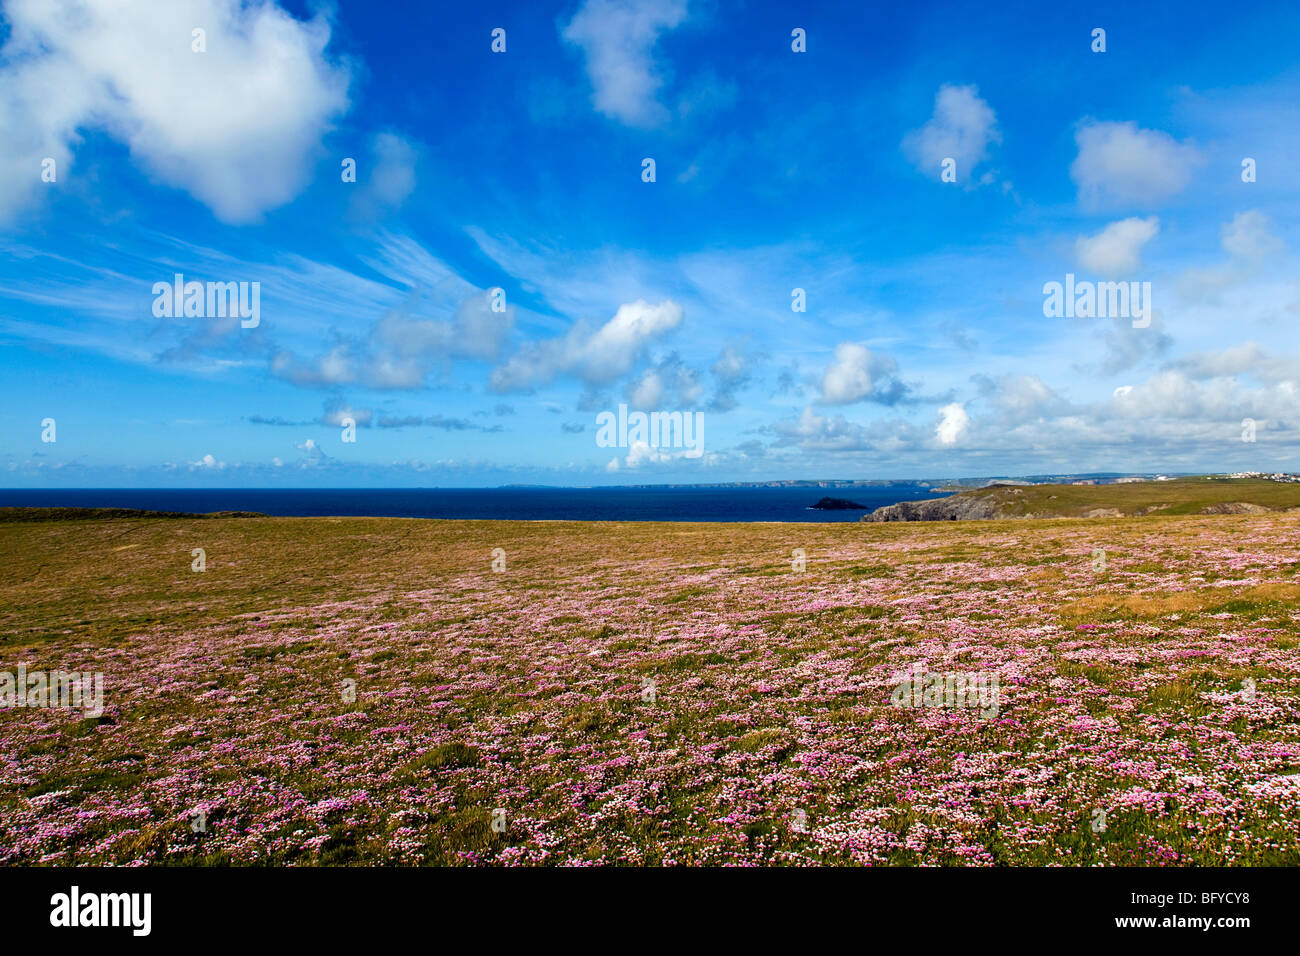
1178,602
1050,575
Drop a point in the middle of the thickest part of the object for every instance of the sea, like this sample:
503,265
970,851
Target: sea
654,503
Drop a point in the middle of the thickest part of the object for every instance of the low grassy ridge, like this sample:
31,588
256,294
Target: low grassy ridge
371,691
1179,496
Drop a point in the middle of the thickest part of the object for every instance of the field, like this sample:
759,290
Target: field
1180,496
653,693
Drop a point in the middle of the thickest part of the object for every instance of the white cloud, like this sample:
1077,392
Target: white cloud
1185,417
1116,250
617,38
1251,246
813,432
1126,347
390,178
641,453
952,424
848,378
1235,360
962,128
648,391
1021,398
615,344
400,350
730,366
335,367
1249,237
669,384
598,357
1119,164
858,374
235,126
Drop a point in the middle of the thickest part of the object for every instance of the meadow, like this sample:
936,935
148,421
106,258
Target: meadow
389,691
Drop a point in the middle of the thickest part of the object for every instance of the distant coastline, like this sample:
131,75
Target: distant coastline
787,501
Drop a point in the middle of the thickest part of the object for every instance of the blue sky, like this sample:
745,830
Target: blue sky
924,350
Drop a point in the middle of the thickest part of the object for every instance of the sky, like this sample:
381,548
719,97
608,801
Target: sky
464,265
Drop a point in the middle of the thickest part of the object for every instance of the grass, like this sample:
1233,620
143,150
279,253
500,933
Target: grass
1164,690
1179,496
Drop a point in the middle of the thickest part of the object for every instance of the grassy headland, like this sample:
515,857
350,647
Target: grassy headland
1179,496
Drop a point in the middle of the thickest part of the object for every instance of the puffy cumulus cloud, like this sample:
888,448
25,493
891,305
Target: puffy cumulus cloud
642,454
410,346
730,366
1172,396
401,350
236,126
1187,414
1199,402
596,357
1248,358
670,383
822,432
1200,399
1116,250
731,372
312,455
617,40
962,127
648,391
1252,247
613,348
848,378
390,178
814,432
206,462
787,383
1020,398
857,374
1121,164
1249,237
336,367
1125,347
952,424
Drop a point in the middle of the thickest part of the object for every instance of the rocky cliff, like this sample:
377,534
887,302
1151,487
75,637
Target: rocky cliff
957,508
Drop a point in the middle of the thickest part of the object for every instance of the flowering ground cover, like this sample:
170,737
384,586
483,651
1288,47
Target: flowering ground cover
372,691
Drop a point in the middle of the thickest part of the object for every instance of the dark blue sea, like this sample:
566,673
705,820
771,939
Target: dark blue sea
529,504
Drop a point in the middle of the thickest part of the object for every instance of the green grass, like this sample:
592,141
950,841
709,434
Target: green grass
1180,496
650,600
